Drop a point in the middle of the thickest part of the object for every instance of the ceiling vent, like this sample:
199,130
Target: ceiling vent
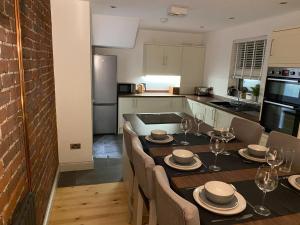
177,11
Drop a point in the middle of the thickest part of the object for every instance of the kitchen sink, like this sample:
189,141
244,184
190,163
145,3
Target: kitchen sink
237,106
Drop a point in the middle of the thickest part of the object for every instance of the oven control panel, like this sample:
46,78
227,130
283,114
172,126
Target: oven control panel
284,72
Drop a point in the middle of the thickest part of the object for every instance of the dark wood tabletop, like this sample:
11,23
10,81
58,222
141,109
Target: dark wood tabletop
283,203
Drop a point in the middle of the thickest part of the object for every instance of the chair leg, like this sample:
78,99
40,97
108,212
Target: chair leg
140,207
152,213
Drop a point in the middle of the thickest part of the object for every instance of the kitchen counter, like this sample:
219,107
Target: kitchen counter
250,115
152,94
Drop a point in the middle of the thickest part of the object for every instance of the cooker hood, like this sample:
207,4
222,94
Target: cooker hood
114,31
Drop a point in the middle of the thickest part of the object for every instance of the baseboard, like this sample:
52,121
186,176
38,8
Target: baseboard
75,166
51,198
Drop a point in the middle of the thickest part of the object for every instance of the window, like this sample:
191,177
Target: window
248,58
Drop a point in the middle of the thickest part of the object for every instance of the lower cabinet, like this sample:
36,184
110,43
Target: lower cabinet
223,119
147,105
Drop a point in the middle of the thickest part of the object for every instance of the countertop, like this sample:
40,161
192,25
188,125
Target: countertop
152,94
250,115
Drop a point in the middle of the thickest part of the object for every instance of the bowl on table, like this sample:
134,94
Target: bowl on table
219,192
257,150
159,134
182,156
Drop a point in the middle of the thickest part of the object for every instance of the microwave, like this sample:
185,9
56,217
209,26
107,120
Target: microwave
126,88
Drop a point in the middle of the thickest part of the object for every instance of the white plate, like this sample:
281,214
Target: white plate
244,153
196,165
241,205
164,141
292,181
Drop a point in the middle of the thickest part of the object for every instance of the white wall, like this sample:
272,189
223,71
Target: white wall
219,48
130,61
72,69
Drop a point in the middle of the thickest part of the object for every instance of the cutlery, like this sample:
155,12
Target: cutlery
250,204
243,217
196,155
287,187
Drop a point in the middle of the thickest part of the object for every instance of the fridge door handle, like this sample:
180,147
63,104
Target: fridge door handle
279,104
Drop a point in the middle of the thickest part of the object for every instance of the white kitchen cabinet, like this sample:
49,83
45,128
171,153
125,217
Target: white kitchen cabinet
192,68
223,119
148,105
162,59
125,105
209,115
285,48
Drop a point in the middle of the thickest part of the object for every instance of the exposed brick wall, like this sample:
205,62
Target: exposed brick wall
13,180
40,105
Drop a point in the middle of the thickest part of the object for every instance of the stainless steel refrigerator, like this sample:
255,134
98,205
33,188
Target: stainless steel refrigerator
104,94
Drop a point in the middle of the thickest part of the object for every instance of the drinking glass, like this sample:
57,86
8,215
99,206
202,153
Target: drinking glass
227,135
216,146
274,157
266,180
288,158
186,126
198,118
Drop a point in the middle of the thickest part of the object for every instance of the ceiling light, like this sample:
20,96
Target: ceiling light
283,3
163,20
177,11
231,18
202,27
113,6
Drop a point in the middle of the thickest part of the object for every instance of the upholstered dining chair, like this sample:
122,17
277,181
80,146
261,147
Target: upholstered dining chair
171,209
286,142
143,167
246,131
128,169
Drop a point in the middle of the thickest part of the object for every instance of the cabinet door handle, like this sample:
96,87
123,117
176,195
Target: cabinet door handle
271,48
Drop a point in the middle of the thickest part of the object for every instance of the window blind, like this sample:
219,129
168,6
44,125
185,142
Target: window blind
248,59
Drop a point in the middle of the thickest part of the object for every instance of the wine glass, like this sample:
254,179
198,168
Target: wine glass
266,180
186,126
216,146
227,135
274,157
198,118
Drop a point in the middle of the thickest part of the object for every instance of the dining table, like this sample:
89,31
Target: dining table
283,202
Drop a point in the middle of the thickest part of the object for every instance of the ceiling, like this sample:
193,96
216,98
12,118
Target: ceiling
203,15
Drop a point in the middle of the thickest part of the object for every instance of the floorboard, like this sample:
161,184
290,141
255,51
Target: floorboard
90,205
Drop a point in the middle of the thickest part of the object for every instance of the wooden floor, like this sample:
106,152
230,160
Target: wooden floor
90,205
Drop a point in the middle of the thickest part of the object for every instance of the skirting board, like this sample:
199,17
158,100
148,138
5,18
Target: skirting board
75,166
51,198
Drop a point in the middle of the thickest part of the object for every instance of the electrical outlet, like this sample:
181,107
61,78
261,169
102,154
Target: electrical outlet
75,146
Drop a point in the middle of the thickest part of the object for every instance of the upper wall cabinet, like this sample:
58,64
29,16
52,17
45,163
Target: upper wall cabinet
193,58
162,59
285,48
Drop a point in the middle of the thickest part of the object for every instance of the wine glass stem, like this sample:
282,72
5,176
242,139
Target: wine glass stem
263,198
198,128
185,136
215,163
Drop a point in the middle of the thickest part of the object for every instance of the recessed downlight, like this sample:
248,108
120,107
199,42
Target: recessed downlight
283,3
202,27
113,6
163,20
231,18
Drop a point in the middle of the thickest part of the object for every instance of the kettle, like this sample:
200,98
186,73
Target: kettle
141,88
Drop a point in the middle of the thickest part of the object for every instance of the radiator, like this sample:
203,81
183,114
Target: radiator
25,211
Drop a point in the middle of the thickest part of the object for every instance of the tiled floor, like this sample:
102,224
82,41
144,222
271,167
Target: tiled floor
107,161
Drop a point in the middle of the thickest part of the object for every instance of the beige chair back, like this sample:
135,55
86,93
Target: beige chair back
143,166
128,135
246,131
287,142
170,207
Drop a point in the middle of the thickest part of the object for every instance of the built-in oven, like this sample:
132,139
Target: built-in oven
281,106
